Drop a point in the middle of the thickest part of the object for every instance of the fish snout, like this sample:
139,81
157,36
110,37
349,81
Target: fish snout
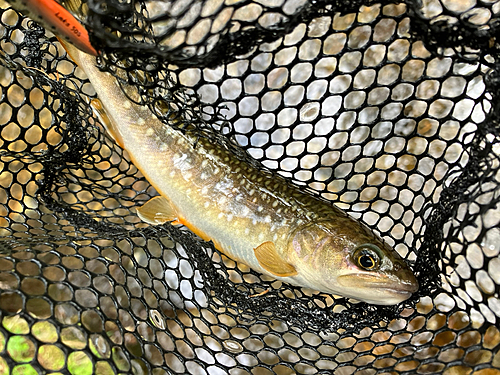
378,289
399,280
396,275
406,279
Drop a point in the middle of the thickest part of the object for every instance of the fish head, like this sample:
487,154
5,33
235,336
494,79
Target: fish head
346,258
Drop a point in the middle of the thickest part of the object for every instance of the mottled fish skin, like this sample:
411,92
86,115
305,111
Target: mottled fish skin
242,209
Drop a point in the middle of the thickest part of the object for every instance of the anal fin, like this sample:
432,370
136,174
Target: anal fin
98,109
158,210
272,262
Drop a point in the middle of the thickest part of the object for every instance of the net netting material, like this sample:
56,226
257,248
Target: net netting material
389,110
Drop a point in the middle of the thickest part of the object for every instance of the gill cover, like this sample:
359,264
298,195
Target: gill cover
345,258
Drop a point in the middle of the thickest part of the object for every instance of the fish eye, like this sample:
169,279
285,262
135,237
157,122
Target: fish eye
367,257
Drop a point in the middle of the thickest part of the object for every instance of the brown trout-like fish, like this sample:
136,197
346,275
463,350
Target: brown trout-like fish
251,216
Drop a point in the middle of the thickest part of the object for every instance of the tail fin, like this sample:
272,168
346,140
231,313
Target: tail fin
88,64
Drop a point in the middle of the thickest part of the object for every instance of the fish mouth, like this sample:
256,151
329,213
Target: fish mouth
397,292
402,288
376,289
373,282
392,297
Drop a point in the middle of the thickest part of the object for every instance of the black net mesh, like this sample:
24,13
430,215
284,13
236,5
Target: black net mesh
387,109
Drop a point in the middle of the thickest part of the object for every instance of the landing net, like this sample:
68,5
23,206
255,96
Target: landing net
387,109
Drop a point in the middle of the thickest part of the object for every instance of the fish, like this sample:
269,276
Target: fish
251,215
54,17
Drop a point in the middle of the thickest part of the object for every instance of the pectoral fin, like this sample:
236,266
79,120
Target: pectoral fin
272,262
157,210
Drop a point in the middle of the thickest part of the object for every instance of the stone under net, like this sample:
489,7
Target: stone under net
387,109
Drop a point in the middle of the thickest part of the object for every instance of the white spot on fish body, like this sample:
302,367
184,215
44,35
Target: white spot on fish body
275,203
220,215
204,190
172,174
149,132
230,217
275,237
204,175
267,219
127,105
206,204
163,147
260,209
182,162
222,201
247,230
251,192
261,236
141,121
224,186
